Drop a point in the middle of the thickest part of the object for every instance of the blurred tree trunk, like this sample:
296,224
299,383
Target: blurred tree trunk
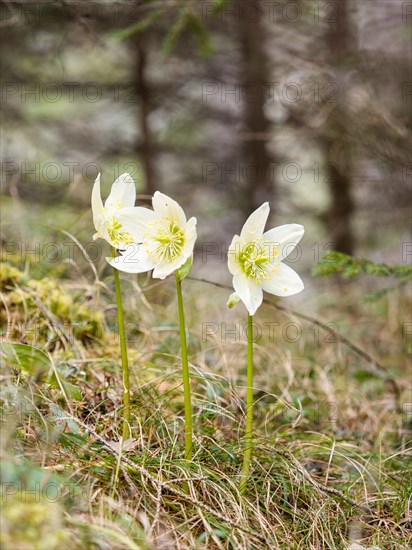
336,141
145,147
255,159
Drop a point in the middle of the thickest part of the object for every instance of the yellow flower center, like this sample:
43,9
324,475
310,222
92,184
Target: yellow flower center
164,240
256,261
118,236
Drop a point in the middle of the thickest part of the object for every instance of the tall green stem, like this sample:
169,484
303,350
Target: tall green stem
186,377
123,352
249,407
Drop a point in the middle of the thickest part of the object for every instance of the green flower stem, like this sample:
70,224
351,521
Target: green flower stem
123,352
186,377
249,407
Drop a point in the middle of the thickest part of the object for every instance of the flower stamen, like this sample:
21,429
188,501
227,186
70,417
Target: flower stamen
164,240
256,263
118,236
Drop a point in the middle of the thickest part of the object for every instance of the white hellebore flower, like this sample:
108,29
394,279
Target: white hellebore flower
106,217
255,260
163,238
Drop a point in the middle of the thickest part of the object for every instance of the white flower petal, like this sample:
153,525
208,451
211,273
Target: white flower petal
233,256
165,207
249,292
163,269
105,235
285,238
135,220
122,193
285,282
255,224
97,204
133,260
190,237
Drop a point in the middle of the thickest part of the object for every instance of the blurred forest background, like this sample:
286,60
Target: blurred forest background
221,104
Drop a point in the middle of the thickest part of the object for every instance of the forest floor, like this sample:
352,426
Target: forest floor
331,461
